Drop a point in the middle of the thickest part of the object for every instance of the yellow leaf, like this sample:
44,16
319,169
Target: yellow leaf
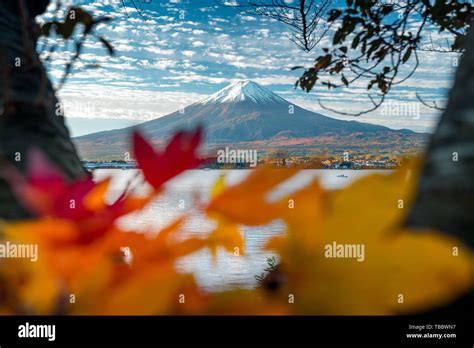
226,234
246,203
347,252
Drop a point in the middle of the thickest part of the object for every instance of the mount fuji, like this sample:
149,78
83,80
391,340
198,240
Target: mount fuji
250,115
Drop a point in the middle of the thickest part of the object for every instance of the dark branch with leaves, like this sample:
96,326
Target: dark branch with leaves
378,42
77,26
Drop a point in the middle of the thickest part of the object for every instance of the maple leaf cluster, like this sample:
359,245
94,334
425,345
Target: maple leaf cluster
84,255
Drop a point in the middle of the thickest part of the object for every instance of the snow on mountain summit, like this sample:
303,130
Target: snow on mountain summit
240,91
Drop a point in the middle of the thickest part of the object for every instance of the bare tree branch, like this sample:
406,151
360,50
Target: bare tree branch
432,106
305,19
376,105
135,6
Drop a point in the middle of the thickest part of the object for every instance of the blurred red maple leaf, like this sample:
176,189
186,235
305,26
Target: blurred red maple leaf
179,155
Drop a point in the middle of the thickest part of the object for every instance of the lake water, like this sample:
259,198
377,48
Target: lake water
227,271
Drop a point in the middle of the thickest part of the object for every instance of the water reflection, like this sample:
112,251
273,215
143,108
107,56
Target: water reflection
181,195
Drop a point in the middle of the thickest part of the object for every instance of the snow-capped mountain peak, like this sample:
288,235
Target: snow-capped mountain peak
245,90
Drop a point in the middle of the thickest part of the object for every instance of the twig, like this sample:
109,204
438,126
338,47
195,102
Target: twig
433,106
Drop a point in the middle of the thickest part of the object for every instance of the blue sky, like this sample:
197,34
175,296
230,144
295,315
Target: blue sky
184,50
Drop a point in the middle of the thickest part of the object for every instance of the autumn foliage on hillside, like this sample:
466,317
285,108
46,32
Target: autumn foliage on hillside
81,246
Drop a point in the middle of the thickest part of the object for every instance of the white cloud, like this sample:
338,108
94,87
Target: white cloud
275,80
194,77
160,51
198,44
247,18
122,102
188,53
160,64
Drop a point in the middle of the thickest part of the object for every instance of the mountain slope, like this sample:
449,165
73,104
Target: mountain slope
243,112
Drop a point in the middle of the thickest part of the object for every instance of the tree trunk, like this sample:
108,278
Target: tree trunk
27,102
445,197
